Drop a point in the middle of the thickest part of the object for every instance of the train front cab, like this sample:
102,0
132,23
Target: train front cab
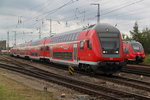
133,52
111,49
103,49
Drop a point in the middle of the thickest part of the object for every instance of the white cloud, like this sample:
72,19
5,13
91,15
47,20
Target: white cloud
71,16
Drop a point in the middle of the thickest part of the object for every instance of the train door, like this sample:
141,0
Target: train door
75,52
51,52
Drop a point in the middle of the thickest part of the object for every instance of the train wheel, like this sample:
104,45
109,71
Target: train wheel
88,68
137,62
81,67
108,74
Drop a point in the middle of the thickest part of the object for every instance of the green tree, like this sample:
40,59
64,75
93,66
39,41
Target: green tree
145,39
135,33
128,38
125,37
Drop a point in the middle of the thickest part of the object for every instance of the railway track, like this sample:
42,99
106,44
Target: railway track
82,86
115,79
127,82
137,69
134,69
144,65
12,60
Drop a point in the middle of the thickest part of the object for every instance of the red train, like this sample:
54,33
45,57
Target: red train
97,48
133,51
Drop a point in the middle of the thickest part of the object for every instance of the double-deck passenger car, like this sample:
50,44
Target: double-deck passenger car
97,48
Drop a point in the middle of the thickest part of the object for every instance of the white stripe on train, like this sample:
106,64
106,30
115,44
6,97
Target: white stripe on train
60,61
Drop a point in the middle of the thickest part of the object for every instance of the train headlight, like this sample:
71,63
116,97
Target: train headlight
116,51
104,51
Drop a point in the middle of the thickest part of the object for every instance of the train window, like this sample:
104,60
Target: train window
62,40
89,44
35,43
63,55
82,45
65,38
126,50
41,48
73,36
59,39
136,46
47,48
56,39
69,37
76,35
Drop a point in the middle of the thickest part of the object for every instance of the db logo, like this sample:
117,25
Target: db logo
111,58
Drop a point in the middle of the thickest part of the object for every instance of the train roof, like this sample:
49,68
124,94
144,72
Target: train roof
68,32
132,41
100,27
105,28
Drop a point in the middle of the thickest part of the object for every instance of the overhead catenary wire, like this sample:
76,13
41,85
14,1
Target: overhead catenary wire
60,8
88,17
121,7
51,11
45,14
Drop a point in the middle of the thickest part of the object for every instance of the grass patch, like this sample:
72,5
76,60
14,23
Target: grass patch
9,94
147,60
12,90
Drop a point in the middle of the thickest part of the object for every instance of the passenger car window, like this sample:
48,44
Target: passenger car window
47,48
41,48
82,45
89,45
74,36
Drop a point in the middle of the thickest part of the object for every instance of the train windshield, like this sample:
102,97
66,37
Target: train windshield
109,43
126,50
136,46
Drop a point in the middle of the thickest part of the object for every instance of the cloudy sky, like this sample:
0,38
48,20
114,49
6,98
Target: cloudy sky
28,17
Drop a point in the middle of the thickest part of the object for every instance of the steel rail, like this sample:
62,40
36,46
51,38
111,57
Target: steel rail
88,87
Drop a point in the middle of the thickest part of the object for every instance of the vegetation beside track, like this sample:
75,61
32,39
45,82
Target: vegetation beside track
147,60
12,90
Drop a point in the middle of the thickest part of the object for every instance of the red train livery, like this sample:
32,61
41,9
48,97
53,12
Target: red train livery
133,51
97,48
